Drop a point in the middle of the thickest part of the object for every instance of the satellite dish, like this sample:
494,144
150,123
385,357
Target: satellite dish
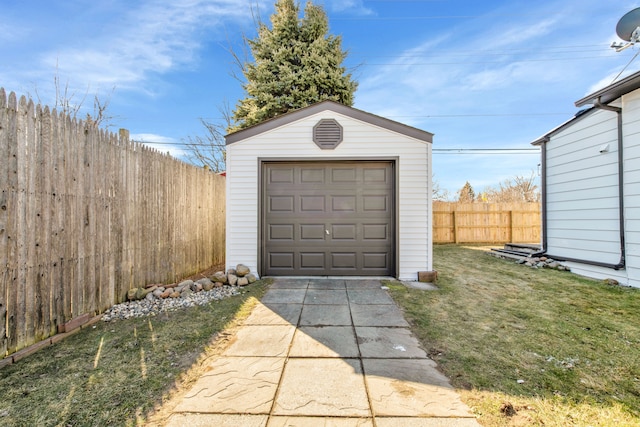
628,29
628,24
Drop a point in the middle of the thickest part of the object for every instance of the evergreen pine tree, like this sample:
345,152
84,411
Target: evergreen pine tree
296,64
466,194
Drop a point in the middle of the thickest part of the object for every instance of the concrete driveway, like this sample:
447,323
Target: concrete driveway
323,352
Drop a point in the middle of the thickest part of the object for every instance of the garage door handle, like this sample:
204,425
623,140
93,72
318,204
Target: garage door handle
327,231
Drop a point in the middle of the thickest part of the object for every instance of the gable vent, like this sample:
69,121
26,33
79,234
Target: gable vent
327,134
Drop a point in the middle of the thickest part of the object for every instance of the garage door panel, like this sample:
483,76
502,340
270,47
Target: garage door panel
281,203
312,260
344,232
312,175
281,175
343,174
312,204
377,202
281,260
281,232
343,204
333,219
375,232
375,175
312,232
344,260
375,260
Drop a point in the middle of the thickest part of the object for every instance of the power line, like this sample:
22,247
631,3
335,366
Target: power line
502,51
441,116
408,18
445,116
545,48
485,151
435,150
493,62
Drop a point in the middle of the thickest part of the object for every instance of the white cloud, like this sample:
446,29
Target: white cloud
514,60
145,39
353,6
491,56
160,143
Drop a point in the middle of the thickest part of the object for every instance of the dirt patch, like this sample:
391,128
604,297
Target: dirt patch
507,409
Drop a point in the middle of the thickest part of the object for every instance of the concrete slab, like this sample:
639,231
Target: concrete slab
284,296
325,315
261,341
319,422
218,420
424,286
274,314
325,296
322,387
363,284
377,315
426,422
411,388
235,385
327,284
369,296
324,341
289,284
298,361
388,343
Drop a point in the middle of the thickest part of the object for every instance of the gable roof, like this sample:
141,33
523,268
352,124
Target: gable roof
613,91
336,108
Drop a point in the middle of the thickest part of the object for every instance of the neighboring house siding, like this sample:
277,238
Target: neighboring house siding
582,190
631,137
582,186
361,141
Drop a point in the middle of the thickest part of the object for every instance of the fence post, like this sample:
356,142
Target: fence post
455,227
510,227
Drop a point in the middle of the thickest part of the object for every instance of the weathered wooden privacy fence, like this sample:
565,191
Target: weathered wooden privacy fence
486,222
86,214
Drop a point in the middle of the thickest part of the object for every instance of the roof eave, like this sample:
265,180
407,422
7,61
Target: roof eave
578,116
612,92
331,106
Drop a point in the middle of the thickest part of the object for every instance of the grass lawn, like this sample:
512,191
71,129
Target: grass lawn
116,373
530,347
525,347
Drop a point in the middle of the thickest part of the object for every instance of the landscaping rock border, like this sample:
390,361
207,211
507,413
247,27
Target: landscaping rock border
158,298
533,262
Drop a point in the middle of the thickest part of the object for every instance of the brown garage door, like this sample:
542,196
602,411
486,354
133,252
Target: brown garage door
328,219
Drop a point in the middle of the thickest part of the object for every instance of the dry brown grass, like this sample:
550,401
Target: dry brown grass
119,373
559,349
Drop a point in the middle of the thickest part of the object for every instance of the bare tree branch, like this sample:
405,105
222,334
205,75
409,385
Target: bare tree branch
66,102
209,150
514,190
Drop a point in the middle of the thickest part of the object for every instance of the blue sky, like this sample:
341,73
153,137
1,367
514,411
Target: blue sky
488,74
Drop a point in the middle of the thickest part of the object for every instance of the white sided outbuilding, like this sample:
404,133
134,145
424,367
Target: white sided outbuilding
591,185
329,190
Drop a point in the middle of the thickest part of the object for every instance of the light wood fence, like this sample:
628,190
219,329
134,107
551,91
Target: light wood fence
86,214
486,222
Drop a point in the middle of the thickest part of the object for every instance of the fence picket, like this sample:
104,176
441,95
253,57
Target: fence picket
486,222
85,215
4,218
47,173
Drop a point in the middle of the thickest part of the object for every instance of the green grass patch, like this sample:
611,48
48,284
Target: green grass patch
117,373
562,350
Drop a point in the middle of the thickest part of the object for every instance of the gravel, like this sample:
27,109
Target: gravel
146,307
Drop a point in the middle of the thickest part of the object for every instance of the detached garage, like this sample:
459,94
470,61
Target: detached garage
329,190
